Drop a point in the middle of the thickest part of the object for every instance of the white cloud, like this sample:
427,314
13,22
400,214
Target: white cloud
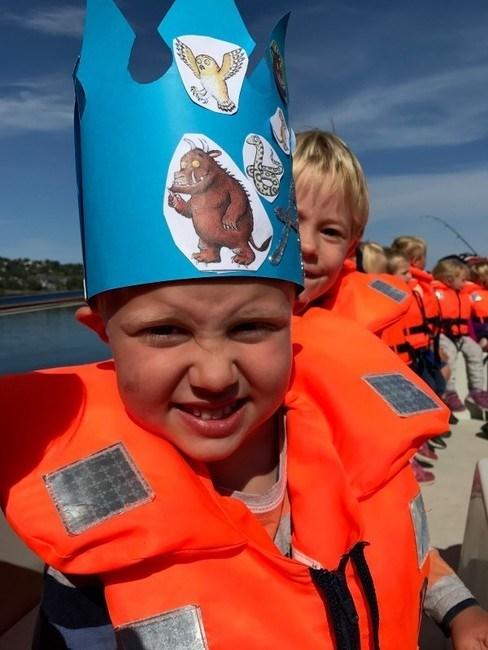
452,196
446,108
59,21
42,104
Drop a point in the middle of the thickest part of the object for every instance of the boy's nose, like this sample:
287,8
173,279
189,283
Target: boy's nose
307,243
213,371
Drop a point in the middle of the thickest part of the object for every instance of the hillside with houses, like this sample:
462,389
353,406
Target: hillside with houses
26,276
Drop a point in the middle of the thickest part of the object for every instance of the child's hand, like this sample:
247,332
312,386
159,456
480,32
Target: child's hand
469,629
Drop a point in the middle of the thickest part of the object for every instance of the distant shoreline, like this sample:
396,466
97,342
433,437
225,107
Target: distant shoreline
34,302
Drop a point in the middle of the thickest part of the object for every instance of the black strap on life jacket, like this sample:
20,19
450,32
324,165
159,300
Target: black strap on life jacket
340,604
359,560
417,329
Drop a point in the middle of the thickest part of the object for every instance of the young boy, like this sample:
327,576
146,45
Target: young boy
332,222
456,308
333,210
184,495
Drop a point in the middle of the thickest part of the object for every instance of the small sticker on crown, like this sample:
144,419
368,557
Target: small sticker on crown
212,71
213,212
278,65
281,131
263,166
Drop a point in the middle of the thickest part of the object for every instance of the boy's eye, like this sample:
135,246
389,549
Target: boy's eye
195,163
253,330
330,231
166,334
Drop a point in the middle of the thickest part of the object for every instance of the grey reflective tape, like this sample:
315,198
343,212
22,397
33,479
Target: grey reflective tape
179,629
96,488
388,290
401,394
421,528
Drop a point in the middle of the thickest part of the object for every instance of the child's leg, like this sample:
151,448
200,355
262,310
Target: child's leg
451,353
473,354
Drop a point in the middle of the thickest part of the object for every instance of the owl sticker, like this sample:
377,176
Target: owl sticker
212,71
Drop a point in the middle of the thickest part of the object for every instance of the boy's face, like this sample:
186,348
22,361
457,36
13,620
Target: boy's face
325,233
204,364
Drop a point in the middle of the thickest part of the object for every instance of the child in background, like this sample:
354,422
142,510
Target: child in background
332,222
333,206
456,308
371,257
426,324
478,272
414,348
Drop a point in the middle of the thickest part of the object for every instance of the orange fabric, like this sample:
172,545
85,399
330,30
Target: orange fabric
374,445
424,287
479,301
354,297
189,544
348,479
455,309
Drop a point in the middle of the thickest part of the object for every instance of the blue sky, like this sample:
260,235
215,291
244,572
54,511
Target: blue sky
404,83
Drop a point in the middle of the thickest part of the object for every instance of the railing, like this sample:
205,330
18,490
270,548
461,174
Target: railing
473,564
34,300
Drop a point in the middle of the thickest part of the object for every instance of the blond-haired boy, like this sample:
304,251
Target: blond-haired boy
333,208
333,204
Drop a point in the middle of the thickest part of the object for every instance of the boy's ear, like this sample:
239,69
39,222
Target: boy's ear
92,319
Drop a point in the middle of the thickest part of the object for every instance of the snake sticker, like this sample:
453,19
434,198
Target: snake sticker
263,166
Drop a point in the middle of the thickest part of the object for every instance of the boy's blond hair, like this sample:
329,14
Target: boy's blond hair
320,153
449,269
413,248
393,257
479,272
373,257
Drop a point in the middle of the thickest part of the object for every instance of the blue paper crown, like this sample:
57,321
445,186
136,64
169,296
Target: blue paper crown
188,176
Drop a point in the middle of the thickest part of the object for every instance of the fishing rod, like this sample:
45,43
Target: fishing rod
453,230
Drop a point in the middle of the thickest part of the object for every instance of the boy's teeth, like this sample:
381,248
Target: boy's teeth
215,414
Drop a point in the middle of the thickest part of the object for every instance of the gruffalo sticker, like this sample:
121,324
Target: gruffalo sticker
213,211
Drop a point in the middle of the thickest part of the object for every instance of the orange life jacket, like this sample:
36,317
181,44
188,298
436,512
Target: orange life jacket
92,493
455,309
375,300
424,288
413,331
479,302
384,483
182,566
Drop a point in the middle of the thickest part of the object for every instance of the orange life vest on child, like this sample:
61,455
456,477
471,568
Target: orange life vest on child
364,428
479,302
424,288
375,300
93,493
183,567
455,309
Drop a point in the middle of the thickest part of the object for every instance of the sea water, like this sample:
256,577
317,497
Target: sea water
44,338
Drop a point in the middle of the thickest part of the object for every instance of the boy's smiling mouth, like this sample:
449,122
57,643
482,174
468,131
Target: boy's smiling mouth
206,412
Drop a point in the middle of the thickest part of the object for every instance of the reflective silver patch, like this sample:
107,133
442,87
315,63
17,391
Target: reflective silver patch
96,488
388,290
179,629
420,527
404,397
